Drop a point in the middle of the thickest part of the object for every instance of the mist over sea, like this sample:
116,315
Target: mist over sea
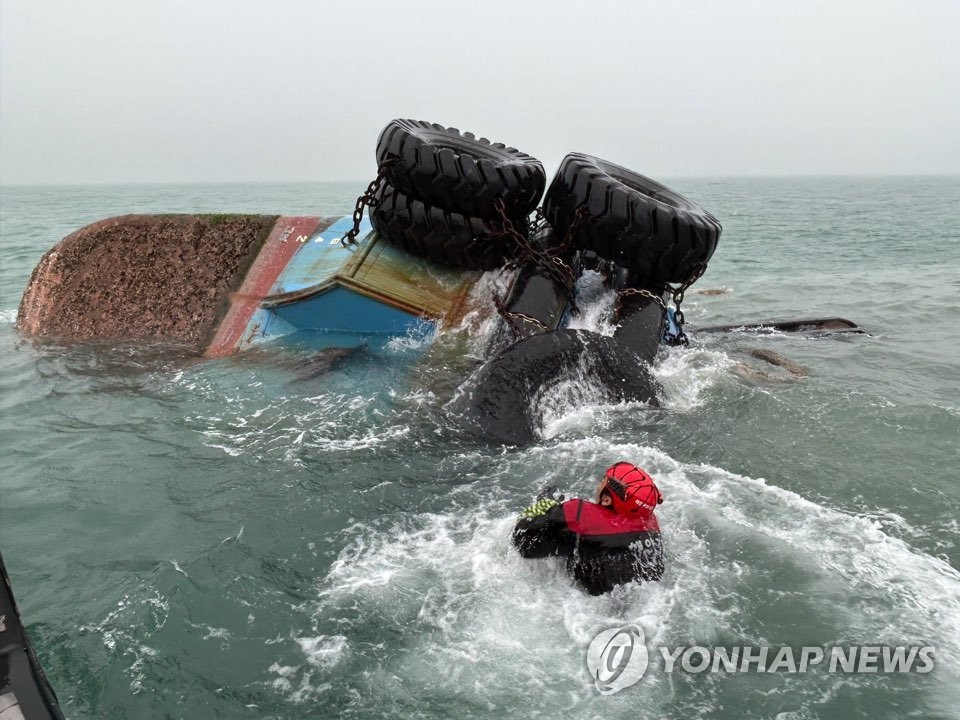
227,538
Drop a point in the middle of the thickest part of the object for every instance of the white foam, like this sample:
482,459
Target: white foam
126,627
323,651
950,409
592,414
481,624
413,341
578,403
687,375
285,426
596,303
481,321
574,391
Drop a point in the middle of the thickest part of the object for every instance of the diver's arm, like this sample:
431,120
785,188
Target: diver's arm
650,555
542,530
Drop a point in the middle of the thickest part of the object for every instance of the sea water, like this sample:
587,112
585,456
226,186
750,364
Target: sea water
238,539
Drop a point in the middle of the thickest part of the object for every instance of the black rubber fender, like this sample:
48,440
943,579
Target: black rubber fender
498,408
640,324
459,172
537,301
633,221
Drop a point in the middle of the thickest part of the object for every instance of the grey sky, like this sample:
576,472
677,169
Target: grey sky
217,90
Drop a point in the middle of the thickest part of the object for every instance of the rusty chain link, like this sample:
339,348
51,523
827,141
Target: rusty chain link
368,199
698,270
676,294
643,292
548,258
511,317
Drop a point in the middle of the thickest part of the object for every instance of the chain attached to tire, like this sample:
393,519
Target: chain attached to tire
368,199
676,293
642,292
698,270
511,318
548,259
680,337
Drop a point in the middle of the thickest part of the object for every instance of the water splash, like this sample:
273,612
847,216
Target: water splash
482,623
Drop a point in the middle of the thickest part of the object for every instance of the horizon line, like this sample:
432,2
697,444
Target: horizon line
745,176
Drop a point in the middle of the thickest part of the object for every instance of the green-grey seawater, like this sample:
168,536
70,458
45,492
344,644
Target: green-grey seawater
200,539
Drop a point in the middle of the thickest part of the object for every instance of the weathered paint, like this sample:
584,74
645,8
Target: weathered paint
319,259
371,268
428,289
305,281
263,325
342,309
279,248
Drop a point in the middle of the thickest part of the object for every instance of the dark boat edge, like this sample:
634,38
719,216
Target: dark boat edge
24,689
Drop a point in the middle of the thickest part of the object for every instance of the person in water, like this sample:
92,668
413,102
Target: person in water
606,543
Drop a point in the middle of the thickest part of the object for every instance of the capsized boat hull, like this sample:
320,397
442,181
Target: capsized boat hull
219,285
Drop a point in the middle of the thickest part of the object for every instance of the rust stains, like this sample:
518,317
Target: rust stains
276,253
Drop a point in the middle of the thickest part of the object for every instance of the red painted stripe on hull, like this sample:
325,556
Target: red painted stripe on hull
279,248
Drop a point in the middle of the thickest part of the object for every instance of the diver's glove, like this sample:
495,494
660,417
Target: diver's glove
539,508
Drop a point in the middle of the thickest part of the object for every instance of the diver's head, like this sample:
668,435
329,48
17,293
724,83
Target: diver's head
628,490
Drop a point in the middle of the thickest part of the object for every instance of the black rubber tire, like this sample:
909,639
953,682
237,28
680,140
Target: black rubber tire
499,407
635,222
445,237
459,172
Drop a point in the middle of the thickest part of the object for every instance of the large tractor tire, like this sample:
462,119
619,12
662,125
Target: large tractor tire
658,235
448,238
502,405
458,172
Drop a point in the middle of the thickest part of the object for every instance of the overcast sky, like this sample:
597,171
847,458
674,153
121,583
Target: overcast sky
218,90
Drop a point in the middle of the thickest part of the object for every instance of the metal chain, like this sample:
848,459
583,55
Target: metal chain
675,292
549,259
545,258
368,199
578,217
698,270
512,316
623,294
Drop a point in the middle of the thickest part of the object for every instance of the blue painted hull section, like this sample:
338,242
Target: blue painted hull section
320,257
343,310
364,294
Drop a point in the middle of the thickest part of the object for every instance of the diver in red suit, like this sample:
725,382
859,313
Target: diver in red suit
612,541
